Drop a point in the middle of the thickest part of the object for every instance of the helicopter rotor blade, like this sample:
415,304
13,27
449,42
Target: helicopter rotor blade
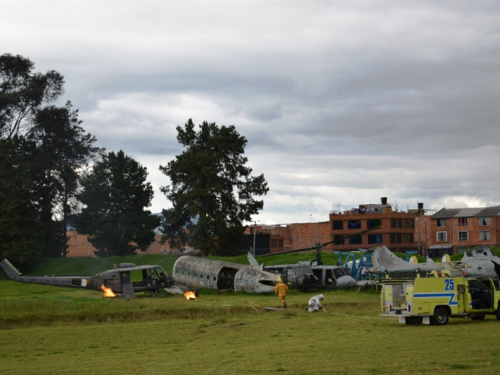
290,251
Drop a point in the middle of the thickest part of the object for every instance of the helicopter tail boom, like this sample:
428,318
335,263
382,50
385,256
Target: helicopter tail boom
9,269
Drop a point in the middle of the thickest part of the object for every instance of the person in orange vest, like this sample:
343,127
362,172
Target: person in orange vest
281,289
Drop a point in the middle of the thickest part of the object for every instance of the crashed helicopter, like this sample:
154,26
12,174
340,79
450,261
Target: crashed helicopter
313,274
196,272
125,279
302,275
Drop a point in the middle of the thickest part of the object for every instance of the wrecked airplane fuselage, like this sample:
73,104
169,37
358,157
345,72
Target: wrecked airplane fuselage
480,263
386,263
216,274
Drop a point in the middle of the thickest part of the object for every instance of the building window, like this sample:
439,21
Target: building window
373,223
276,243
374,238
338,240
409,223
462,221
400,223
484,235
484,221
441,222
354,224
355,240
463,235
441,236
407,238
337,225
401,238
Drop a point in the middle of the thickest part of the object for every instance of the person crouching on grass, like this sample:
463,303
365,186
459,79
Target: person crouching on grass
281,289
315,303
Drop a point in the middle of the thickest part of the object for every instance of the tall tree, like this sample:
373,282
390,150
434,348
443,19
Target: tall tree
23,92
212,191
54,145
61,150
21,231
115,195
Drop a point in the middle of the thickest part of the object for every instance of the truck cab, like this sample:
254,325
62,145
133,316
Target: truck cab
434,299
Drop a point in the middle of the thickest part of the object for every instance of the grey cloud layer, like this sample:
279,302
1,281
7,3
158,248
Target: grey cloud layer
341,102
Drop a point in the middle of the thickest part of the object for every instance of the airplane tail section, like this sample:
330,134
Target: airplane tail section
9,269
382,256
253,262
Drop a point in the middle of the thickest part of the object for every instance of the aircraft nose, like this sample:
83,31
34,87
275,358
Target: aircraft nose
345,281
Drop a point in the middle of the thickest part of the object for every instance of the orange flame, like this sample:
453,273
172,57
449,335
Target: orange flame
189,295
107,292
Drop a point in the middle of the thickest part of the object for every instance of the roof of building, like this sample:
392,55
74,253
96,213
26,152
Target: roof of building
466,212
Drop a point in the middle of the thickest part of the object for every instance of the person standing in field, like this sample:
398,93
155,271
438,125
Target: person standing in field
281,289
315,303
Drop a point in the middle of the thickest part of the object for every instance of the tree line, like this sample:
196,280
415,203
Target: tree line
53,176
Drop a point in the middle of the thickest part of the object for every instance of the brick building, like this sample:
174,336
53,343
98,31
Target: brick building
400,231
453,230
447,231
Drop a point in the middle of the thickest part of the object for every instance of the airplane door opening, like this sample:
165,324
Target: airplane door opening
225,279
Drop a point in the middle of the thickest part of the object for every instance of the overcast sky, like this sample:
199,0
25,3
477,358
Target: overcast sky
342,102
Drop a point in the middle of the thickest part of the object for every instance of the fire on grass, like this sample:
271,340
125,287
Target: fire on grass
190,295
107,292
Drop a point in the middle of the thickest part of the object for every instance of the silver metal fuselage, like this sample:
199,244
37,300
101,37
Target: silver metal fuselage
199,272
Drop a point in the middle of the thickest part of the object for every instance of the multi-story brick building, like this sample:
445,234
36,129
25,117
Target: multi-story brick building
454,230
399,231
447,231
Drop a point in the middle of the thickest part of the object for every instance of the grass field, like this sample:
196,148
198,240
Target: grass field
50,330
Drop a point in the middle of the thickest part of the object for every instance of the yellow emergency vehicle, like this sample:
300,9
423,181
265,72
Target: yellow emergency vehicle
436,298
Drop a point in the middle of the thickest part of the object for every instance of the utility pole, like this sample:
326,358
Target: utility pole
254,234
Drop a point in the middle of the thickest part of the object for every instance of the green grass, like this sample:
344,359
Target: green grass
59,331
50,330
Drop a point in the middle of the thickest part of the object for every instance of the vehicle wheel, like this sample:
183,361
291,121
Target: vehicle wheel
441,317
413,320
478,317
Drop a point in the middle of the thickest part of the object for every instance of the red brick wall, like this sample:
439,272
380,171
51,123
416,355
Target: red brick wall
296,236
79,246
